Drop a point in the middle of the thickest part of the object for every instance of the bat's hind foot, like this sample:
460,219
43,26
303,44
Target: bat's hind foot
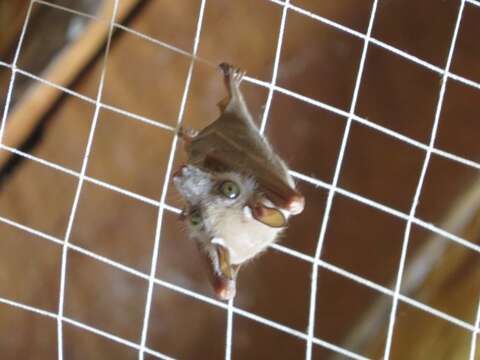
233,76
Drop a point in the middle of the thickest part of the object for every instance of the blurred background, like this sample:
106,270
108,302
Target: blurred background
142,92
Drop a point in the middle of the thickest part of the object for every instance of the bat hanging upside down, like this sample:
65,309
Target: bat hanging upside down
238,192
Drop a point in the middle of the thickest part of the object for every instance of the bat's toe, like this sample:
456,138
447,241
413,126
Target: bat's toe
232,73
226,68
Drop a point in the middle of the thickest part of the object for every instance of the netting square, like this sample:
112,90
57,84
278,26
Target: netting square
393,186
408,107
119,144
309,127
343,303
449,262
79,341
337,75
258,290
329,10
397,30
40,330
51,216
445,182
459,115
266,342
156,91
43,44
252,24
131,244
467,51
364,240
38,262
175,320
63,138
104,297
414,322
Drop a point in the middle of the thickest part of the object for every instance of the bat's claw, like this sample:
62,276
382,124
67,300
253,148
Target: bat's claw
232,76
187,135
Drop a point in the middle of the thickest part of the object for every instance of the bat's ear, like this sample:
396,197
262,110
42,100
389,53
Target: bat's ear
223,274
268,215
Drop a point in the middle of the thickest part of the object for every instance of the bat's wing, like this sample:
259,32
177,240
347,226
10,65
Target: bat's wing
233,143
239,148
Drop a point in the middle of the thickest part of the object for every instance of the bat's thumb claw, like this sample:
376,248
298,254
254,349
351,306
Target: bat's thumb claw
186,134
296,204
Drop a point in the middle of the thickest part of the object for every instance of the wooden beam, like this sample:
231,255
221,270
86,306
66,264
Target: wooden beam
63,70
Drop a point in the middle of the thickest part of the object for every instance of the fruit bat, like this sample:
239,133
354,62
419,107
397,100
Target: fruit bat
238,193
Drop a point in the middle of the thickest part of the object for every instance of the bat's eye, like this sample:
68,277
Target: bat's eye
230,189
195,218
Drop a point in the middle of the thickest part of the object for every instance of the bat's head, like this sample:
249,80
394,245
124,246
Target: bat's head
229,218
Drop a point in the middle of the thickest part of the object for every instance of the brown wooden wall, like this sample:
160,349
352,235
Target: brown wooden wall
317,61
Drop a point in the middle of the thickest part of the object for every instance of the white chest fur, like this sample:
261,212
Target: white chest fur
242,235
